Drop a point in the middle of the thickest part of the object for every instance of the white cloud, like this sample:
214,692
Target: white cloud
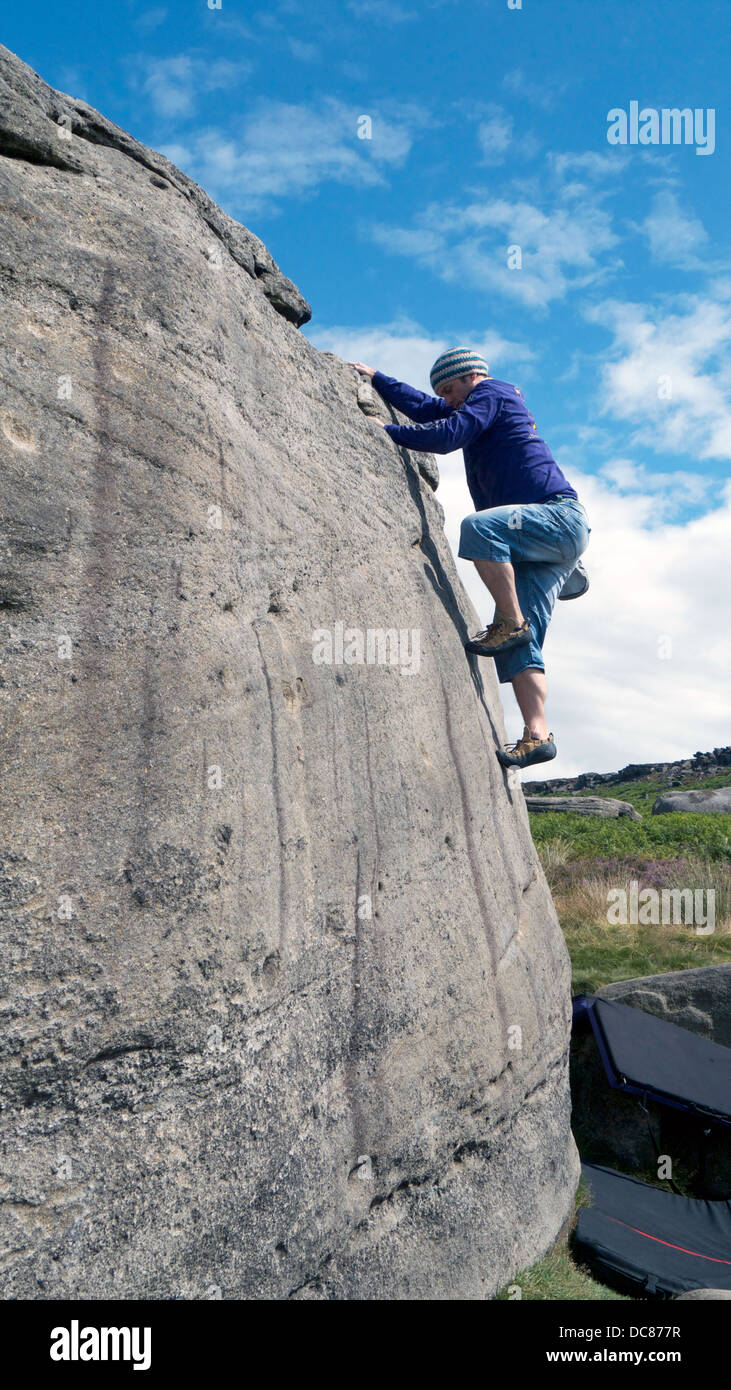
675,235
668,372
469,243
287,149
306,52
541,89
589,164
151,19
401,348
494,135
383,11
671,492
175,85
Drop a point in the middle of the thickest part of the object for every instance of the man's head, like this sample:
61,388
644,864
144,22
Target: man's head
456,372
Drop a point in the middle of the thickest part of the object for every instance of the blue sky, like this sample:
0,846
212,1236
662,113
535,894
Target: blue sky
488,129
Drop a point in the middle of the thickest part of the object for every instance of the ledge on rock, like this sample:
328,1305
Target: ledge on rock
44,126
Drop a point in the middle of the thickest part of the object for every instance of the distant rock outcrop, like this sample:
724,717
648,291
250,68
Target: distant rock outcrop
583,805
705,763
286,1004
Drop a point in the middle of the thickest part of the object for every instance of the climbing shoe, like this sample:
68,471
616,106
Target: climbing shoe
527,750
499,637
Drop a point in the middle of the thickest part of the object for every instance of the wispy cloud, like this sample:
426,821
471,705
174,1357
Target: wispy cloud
305,52
286,150
494,135
151,19
667,371
539,89
175,85
559,249
573,173
674,234
672,493
384,11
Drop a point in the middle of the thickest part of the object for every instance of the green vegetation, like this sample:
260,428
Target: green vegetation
700,833
603,951
599,955
642,791
556,1276
584,857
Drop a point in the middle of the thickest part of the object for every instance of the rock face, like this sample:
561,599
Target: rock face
714,799
699,1000
695,1294
584,805
286,1005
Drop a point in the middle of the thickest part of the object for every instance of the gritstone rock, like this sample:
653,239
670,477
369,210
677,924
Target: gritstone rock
286,1001
712,799
606,806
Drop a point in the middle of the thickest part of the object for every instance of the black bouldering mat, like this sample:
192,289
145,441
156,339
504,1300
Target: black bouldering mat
647,1056
639,1239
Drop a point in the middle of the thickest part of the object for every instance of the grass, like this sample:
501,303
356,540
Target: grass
600,957
557,1277
704,834
603,951
584,858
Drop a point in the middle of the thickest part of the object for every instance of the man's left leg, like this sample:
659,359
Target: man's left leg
499,577
509,628
497,541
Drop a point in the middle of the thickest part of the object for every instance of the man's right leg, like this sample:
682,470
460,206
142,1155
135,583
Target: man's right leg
529,687
537,587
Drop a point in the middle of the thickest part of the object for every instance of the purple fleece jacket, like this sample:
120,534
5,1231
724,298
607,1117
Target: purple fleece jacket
505,460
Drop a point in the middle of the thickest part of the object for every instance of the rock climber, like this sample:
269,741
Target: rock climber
528,528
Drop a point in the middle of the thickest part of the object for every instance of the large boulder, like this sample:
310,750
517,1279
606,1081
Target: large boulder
286,1004
714,799
693,1295
699,1000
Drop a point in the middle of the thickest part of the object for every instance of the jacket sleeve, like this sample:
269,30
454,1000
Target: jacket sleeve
416,404
459,429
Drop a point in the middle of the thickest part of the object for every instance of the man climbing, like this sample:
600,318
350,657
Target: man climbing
527,531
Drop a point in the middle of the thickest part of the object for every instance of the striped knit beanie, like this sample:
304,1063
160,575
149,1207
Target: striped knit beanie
456,362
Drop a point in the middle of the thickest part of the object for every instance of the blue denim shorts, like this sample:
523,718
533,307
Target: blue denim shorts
543,541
